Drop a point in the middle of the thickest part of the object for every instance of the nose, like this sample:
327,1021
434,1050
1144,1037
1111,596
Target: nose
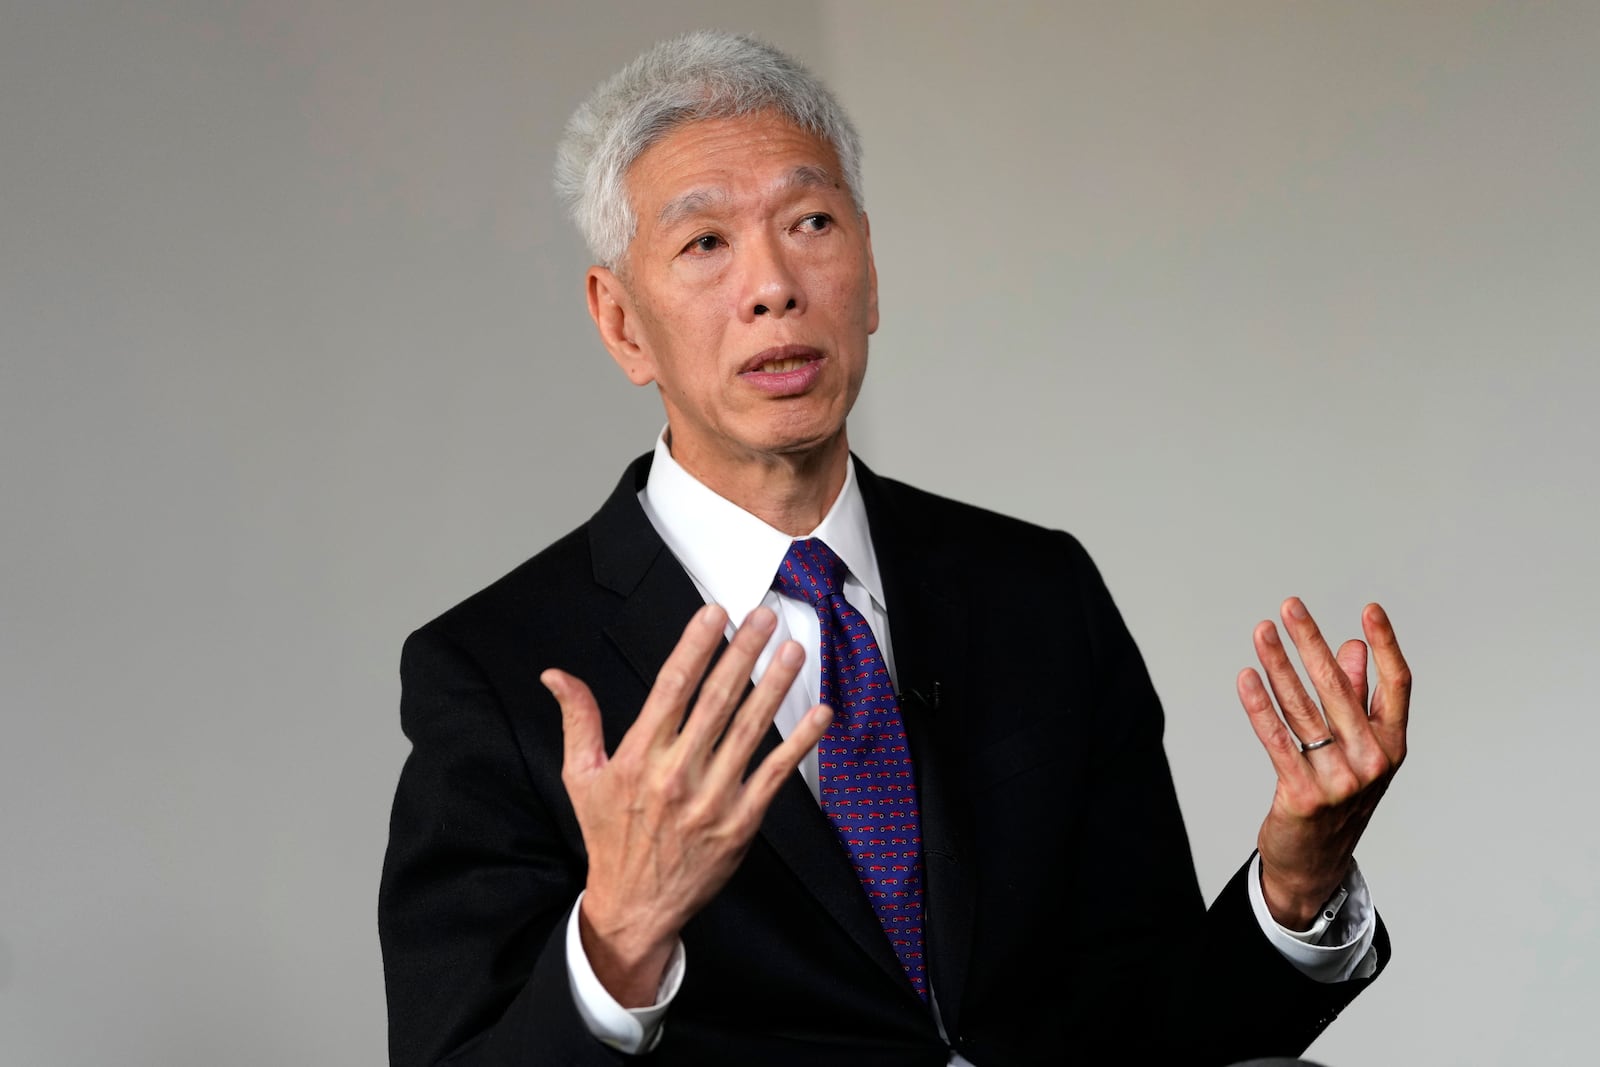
772,286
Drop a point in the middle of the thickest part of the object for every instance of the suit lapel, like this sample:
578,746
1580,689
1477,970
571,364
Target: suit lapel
631,560
658,598
797,830
928,630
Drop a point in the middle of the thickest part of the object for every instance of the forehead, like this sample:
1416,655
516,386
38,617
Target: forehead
703,163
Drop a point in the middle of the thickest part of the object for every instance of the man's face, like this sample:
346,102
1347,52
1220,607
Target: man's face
747,293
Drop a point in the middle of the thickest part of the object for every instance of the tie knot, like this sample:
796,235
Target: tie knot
809,571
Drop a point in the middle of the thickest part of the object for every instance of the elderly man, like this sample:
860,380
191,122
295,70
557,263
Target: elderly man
825,769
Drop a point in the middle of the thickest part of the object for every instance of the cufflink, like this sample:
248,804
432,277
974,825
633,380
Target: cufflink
1325,916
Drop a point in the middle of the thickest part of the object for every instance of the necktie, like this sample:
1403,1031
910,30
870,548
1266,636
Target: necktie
863,764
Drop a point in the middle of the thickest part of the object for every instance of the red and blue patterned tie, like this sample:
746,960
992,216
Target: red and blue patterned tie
863,765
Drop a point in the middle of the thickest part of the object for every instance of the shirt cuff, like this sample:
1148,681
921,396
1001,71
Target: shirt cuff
629,1030
1345,949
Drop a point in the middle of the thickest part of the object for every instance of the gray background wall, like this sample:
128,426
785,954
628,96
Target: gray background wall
1256,298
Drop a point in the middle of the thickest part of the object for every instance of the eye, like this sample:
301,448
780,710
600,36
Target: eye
815,222
706,242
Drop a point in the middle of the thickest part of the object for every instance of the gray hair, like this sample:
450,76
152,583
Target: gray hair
704,75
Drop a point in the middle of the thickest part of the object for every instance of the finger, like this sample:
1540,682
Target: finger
1353,661
723,686
1391,702
1299,711
583,748
755,715
1270,730
765,780
1347,718
662,713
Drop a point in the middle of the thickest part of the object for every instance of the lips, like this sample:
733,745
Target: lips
782,359
780,366
784,371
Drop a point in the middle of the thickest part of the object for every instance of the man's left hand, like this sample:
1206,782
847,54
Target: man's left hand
1325,796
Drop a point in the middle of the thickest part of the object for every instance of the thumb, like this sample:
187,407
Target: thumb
1353,661
582,743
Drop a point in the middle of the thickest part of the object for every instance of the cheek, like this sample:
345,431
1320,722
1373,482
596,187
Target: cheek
854,300
847,285
689,352
671,329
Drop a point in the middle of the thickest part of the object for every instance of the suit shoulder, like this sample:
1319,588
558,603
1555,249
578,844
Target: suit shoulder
564,586
513,605
980,529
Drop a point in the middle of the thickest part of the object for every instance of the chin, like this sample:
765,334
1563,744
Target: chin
801,431
797,440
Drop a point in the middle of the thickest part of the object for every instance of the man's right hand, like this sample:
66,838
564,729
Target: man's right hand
668,816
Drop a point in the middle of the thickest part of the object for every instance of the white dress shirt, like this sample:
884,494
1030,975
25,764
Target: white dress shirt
732,556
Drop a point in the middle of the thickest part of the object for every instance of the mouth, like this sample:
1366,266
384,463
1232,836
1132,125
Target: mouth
784,372
784,359
779,366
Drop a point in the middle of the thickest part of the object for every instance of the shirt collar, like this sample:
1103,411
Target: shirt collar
731,554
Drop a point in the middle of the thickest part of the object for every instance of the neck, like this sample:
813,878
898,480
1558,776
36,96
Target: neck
789,491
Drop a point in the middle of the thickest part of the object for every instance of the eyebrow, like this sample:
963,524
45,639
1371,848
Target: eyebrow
698,201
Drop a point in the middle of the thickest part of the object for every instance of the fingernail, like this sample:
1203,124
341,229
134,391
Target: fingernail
1271,636
708,616
1297,608
791,654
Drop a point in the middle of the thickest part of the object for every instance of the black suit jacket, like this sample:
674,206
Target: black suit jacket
1063,920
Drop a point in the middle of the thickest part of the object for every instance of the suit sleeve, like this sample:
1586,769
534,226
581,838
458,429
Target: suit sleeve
477,884
1218,985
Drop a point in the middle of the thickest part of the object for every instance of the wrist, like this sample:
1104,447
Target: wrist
1296,903
627,962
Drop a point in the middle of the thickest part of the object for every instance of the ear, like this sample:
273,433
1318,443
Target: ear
617,322
872,278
